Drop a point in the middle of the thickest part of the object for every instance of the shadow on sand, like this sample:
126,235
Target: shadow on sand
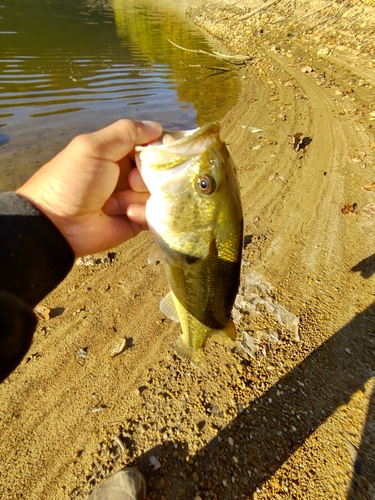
304,399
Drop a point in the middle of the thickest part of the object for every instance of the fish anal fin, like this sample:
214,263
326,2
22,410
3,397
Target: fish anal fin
196,357
230,330
226,335
168,307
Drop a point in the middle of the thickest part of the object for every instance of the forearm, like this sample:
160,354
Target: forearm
34,256
34,259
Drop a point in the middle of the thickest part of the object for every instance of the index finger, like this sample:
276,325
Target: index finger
118,139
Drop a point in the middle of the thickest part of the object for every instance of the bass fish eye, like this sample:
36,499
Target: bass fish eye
206,184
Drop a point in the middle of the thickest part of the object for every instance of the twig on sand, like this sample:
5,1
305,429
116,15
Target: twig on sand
327,19
213,68
314,12
232,59
259,9
363,48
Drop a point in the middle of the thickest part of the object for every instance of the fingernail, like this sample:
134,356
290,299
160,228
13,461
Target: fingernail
136,212
153,126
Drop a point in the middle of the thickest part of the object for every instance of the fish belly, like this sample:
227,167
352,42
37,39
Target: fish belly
203,295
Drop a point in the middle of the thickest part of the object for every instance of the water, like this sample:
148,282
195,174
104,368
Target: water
72,66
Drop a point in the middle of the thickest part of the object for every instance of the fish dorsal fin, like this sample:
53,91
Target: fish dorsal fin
155,254
167,307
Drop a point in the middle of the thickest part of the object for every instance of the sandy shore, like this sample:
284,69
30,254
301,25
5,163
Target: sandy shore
293,419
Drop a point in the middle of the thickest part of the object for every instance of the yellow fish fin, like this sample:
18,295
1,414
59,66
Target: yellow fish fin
227,335
167,307
155,254
196,357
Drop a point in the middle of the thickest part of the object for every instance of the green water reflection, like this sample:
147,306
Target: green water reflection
146,27
60,53
68,66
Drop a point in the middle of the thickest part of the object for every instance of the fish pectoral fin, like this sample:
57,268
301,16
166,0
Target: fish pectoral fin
155,254
196,357
227,335
168,307
213,248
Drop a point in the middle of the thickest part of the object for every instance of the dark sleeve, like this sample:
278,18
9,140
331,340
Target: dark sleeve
34,259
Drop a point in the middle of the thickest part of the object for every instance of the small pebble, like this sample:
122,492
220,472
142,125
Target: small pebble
306,69
155,462
325,51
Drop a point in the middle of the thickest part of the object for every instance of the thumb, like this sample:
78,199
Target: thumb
118,139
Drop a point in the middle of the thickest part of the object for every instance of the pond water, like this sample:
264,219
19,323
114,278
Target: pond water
72,66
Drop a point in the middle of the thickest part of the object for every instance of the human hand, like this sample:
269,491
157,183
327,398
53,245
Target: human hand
91,190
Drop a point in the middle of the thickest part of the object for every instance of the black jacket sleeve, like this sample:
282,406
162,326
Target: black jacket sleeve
34,259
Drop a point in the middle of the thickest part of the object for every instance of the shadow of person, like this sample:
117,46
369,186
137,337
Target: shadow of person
268,431
363,480
366,267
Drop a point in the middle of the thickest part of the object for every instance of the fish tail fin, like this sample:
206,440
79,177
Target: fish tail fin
196,357
227,335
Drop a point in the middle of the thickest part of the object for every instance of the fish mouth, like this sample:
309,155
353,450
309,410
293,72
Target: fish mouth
168,139
175,148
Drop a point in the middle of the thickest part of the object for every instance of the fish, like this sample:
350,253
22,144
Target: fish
195,215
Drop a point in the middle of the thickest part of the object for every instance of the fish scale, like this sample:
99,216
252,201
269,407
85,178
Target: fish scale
195,215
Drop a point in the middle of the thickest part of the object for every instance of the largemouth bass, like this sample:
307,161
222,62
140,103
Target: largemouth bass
195,215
